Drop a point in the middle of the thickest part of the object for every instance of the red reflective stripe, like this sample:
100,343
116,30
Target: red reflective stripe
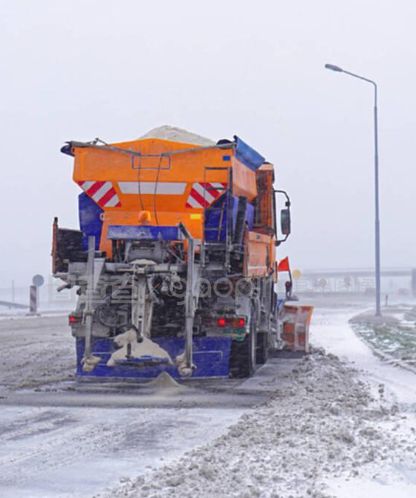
96,186
199,198
213,190
106,197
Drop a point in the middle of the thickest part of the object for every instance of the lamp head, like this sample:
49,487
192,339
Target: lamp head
334,68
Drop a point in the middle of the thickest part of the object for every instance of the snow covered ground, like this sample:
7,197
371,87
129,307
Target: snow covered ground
337,423
34,351
74,452
60,439
330,429
395,474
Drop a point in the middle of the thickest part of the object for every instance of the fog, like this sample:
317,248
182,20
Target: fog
114,70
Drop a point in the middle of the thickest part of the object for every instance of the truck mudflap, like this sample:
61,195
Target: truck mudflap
211,357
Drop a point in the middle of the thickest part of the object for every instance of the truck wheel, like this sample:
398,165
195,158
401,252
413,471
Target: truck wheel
243,356
262,348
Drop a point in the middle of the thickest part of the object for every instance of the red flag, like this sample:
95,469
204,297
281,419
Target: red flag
283,265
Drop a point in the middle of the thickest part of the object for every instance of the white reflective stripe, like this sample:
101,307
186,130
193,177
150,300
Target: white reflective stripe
162,188
112,202
102,191
204,193
193,202
218,186
86,185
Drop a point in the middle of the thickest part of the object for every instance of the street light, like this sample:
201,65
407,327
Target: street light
376,190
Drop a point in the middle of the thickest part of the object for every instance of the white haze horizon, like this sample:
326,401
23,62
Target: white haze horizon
115,70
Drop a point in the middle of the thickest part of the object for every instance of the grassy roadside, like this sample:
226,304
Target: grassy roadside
393,334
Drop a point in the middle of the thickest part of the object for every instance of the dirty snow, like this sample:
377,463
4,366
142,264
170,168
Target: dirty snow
35,351
337,423
71,452
165,381
323,424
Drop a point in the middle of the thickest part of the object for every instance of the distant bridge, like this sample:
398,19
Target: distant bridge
355,280
357,272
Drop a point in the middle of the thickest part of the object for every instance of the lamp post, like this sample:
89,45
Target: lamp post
376,187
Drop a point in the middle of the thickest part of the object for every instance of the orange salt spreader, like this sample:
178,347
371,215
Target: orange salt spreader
175,256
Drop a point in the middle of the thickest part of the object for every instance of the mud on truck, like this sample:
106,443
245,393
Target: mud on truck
175,259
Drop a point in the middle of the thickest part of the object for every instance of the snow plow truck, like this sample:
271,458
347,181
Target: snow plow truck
175,258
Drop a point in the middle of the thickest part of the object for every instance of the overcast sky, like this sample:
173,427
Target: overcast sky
115,69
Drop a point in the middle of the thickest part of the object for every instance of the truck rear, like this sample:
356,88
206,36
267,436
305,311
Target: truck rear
174,259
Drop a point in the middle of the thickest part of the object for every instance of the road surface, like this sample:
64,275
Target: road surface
320,426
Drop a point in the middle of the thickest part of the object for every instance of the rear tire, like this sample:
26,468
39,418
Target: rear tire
262,348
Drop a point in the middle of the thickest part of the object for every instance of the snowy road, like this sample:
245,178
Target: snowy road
62,439
75,452
34,352
298,427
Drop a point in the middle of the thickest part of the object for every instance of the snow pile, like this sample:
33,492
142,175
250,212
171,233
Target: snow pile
178,135
321,423
165,382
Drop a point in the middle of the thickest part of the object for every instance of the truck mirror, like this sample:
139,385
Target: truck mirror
285,221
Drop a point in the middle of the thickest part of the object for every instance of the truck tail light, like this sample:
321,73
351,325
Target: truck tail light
239,322
74,319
